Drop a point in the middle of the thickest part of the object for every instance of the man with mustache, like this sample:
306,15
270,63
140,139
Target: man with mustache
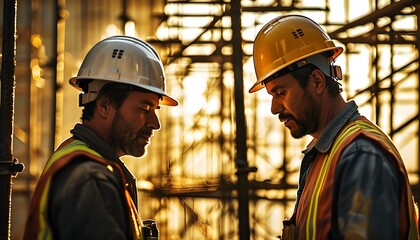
352,181
85,190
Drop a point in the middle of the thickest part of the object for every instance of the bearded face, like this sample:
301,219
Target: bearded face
133,124
296,106
304,119
127,139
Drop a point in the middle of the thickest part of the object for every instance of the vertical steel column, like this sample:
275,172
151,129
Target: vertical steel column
8,64
8,166
418,93
55,87
241,136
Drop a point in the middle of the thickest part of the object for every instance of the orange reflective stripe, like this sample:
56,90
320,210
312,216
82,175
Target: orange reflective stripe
414,218
136,222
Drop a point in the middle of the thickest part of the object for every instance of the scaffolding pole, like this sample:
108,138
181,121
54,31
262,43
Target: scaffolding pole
8,165
241,149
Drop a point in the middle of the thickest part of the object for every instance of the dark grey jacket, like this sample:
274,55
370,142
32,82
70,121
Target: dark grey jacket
86,199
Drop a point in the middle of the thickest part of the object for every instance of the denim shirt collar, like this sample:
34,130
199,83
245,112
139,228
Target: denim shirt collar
323,144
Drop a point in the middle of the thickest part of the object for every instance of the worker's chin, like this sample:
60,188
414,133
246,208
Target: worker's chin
298,131
136,152
139,154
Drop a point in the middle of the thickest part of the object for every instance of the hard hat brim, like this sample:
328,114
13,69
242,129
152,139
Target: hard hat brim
165,99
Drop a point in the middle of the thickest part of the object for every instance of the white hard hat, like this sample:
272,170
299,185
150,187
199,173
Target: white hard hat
121,59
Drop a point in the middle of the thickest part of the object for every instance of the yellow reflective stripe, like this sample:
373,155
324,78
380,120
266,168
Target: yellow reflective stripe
313,207
76,144
47,233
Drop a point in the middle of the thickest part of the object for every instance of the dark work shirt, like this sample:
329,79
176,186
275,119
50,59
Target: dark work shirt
87,199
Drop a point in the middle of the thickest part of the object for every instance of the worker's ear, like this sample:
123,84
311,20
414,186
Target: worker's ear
318,80
103,106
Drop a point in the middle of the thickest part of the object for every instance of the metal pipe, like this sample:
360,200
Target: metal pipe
241,136
54,87
418,97
8,64
389,10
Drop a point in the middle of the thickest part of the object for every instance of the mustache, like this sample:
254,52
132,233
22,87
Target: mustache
145,132
285,116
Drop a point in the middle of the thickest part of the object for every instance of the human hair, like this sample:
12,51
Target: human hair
115,92
302,74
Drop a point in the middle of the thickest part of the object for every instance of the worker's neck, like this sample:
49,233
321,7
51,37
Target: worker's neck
330,107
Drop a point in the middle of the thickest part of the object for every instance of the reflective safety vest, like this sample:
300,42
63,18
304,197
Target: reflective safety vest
37,226
313,216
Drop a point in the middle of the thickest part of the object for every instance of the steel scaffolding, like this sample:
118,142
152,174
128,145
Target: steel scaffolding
221,167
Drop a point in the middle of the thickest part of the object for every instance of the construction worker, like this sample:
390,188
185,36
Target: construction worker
352,181
85,190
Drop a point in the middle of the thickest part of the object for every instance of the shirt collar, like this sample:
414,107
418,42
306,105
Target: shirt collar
323,144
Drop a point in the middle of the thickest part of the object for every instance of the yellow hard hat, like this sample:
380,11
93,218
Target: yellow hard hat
286,40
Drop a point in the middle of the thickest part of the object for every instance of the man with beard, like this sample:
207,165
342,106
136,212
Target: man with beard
85,190
352,181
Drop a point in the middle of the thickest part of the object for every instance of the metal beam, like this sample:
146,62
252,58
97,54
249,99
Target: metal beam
389,10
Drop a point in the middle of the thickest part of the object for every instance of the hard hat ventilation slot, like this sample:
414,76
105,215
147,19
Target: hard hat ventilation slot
117,53
298,33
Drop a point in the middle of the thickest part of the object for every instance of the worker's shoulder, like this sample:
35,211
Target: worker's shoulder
82,169
80,180
367,153
364,144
